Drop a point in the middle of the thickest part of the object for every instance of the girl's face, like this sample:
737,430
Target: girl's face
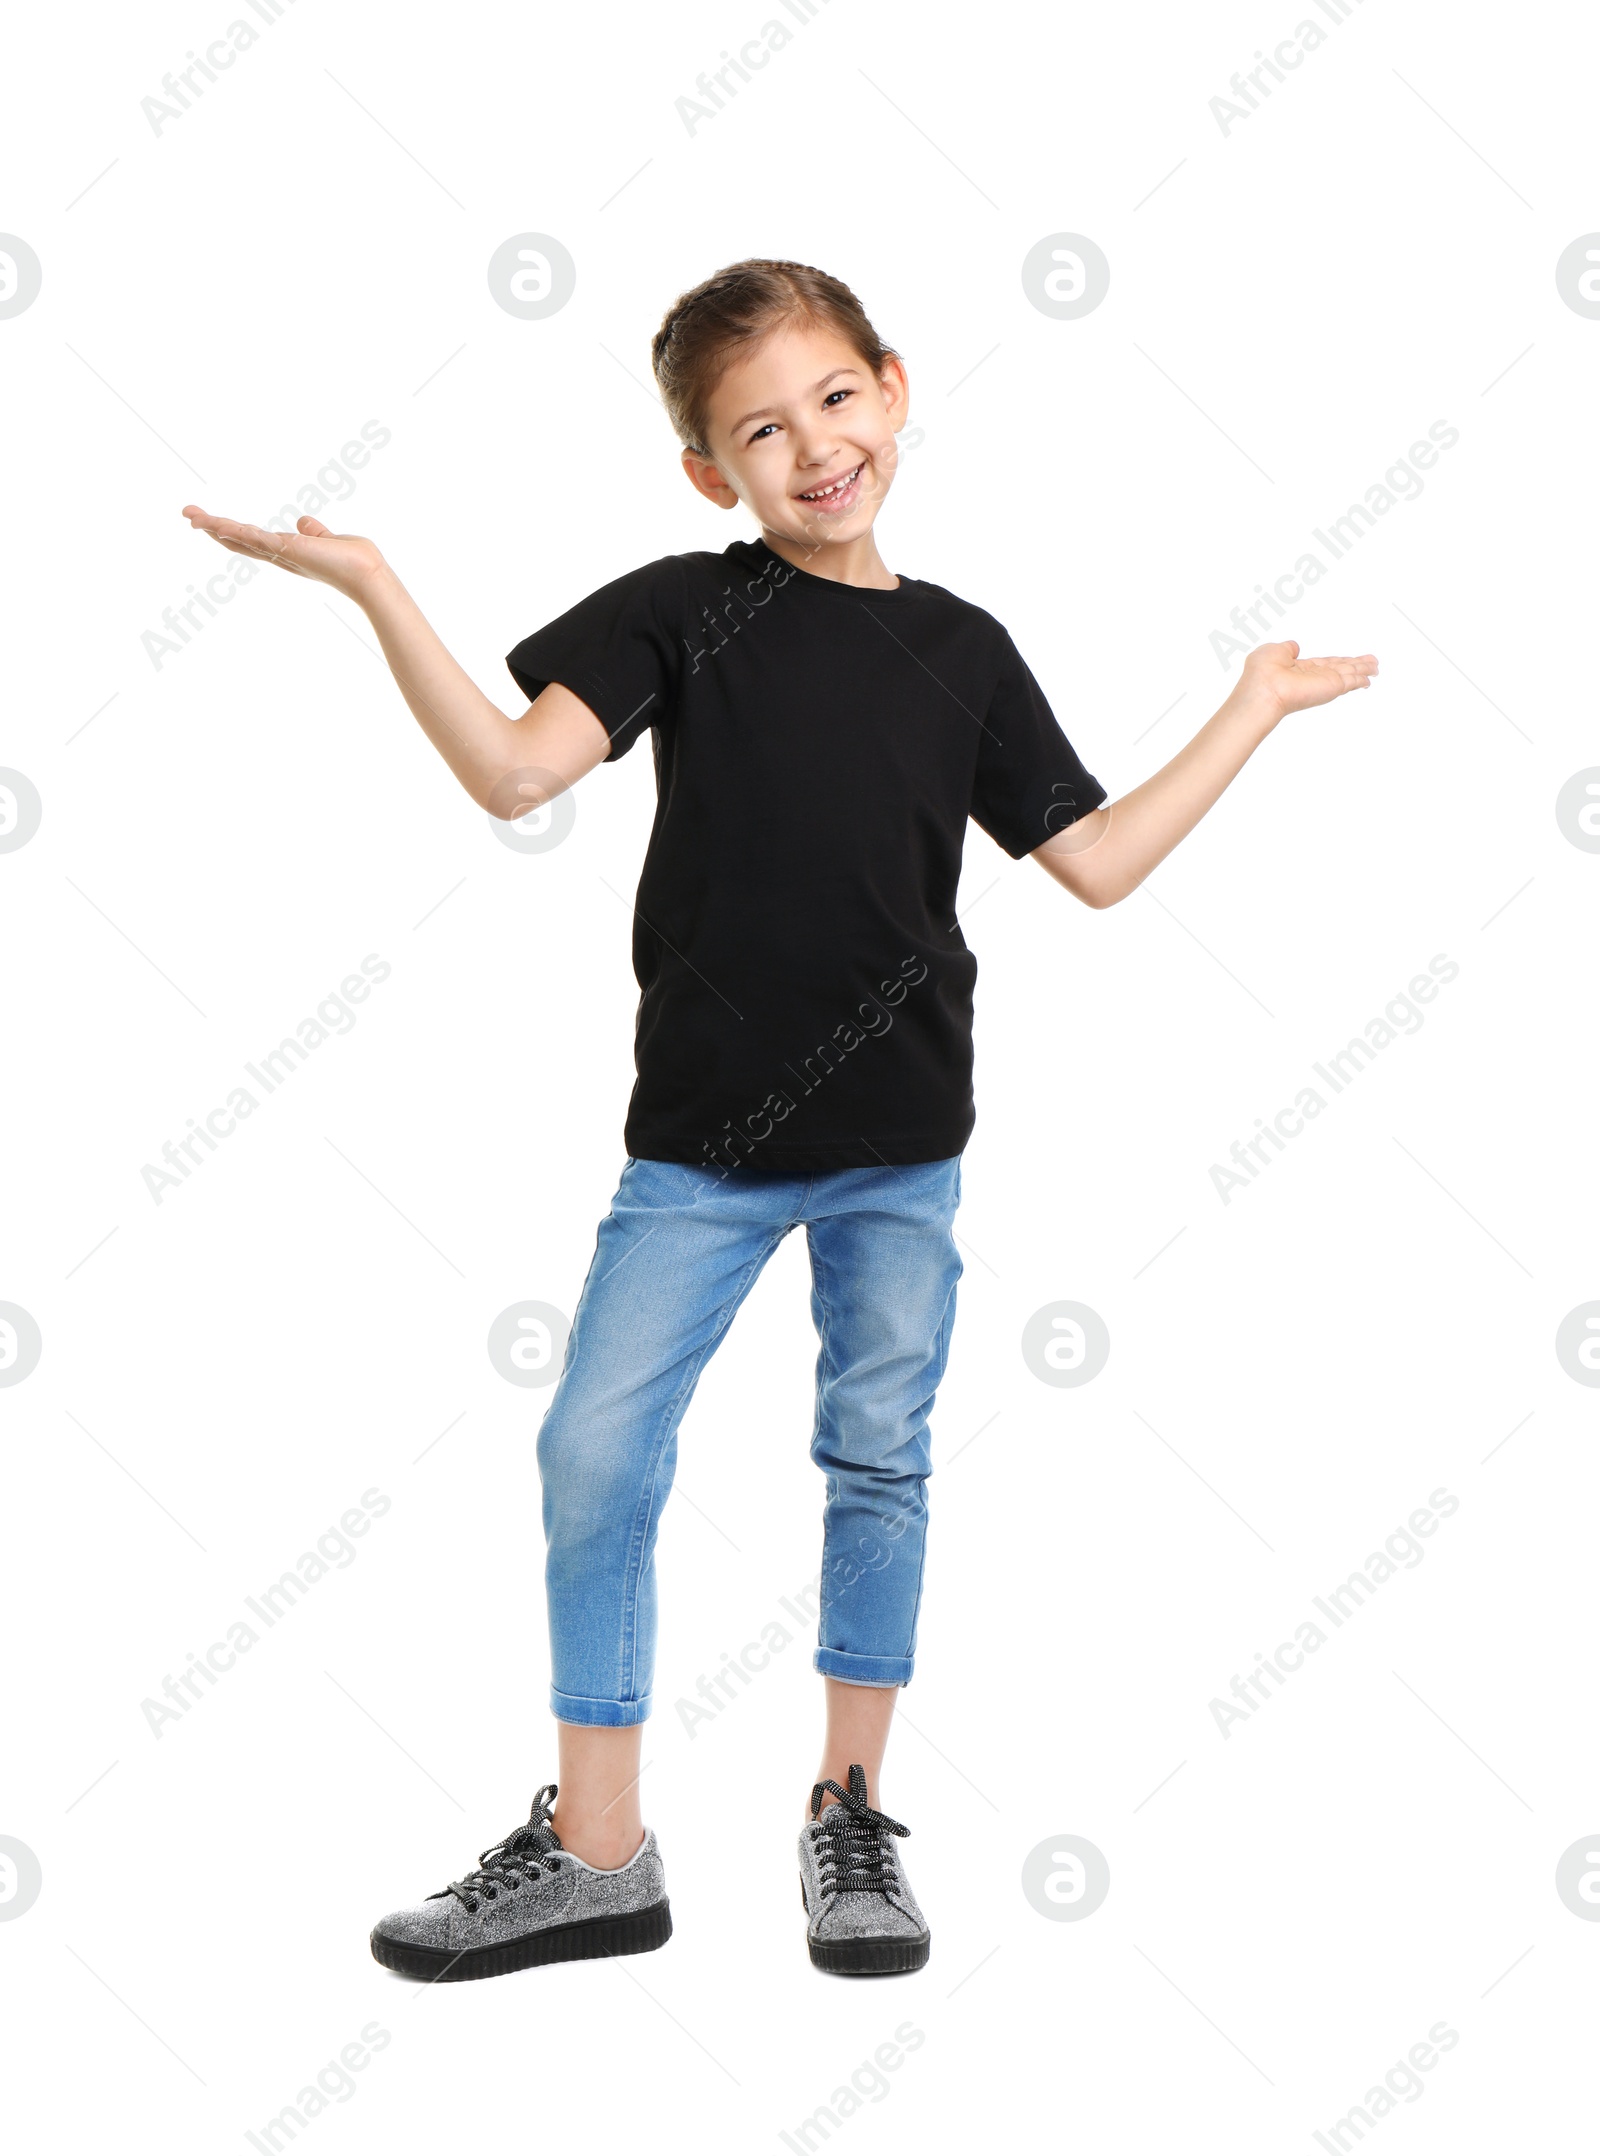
803,433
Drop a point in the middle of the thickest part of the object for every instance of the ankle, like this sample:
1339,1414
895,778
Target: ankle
829,1800
840,1775
600,1842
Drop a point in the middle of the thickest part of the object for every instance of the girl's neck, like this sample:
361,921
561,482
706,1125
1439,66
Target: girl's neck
857,561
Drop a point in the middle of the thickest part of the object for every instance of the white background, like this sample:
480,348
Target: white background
225,836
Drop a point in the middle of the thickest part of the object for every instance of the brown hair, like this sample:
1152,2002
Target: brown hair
705,330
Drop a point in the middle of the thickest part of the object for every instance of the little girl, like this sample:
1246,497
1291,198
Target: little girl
822,730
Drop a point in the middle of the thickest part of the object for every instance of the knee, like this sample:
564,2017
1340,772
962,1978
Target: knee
891,1487
556,1451
874,1443
571,1475
594,1472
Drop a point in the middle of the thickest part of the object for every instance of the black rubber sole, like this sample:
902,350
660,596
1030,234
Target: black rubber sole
596,1939
867,1957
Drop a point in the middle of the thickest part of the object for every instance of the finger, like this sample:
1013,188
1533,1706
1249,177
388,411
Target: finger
215,526
1333,676
1347,673
278,547
203,521
207,527
250,539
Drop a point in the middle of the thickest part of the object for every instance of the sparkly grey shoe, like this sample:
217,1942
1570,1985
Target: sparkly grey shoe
862,1917
529,1901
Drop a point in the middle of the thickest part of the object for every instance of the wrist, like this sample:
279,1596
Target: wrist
379,587
1255,710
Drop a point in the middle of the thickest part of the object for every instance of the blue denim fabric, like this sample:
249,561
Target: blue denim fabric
675,1257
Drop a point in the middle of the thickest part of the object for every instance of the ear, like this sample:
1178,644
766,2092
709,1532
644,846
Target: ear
896,391
706,478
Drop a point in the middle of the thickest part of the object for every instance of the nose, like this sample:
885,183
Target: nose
813,446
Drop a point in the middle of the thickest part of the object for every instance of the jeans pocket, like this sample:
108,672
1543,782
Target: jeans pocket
667,1184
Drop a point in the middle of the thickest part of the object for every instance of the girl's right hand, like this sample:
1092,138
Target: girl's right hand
350,565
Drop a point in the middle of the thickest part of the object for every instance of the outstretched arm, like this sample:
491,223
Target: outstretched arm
557,737
1109,852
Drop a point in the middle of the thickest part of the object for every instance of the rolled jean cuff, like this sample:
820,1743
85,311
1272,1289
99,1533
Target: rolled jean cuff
886,1669
599,1713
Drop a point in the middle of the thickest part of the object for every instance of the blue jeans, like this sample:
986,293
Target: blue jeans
675,1256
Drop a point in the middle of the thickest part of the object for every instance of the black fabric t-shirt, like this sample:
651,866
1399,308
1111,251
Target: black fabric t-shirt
806,994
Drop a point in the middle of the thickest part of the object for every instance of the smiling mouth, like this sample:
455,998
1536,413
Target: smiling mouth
838,493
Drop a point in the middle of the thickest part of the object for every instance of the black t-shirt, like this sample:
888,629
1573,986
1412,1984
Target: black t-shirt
806,994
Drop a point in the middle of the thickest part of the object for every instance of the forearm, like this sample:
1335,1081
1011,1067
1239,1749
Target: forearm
1113,850
507,765
474,736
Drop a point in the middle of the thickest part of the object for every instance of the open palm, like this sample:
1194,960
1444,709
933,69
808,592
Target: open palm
1295,684
347,563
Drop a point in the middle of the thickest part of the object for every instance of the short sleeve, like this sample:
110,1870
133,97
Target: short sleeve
618,649
1030,782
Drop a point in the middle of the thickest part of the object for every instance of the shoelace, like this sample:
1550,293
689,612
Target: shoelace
854,1852
524,1856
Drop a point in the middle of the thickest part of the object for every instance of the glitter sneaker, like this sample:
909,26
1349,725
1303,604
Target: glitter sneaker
529,1901
863,1918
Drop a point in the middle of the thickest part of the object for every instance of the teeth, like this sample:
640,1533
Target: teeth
821,494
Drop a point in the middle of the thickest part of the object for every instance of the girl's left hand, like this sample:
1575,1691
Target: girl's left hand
1276,674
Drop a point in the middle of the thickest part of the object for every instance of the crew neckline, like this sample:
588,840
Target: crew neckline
762,552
